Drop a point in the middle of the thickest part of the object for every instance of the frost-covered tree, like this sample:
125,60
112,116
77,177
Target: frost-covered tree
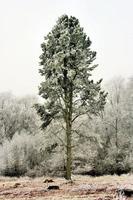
114,108
17,115
67,88
115,130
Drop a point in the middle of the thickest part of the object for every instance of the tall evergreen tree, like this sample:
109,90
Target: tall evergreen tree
67,88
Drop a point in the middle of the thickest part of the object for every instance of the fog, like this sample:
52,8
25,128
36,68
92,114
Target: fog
25,23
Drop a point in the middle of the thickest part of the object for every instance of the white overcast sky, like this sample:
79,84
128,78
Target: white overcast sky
24,23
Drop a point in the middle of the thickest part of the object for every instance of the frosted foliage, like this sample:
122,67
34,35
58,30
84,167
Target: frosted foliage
21,151
16,115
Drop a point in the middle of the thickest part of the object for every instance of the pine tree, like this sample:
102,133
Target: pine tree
67,89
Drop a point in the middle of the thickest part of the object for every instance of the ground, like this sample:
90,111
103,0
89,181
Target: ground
82,188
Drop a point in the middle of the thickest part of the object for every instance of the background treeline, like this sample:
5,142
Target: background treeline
101,145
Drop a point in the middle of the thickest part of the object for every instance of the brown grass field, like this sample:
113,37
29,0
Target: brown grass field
82,188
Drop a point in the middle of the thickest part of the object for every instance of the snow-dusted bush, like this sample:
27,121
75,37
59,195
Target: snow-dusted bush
21,154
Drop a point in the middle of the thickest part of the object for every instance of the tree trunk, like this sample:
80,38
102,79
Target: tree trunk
116,142
68,93
69,136
116,132
68,150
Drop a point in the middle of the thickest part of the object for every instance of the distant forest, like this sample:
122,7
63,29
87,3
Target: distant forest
102,144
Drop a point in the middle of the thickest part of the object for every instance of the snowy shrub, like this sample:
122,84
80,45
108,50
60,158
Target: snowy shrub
20,154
